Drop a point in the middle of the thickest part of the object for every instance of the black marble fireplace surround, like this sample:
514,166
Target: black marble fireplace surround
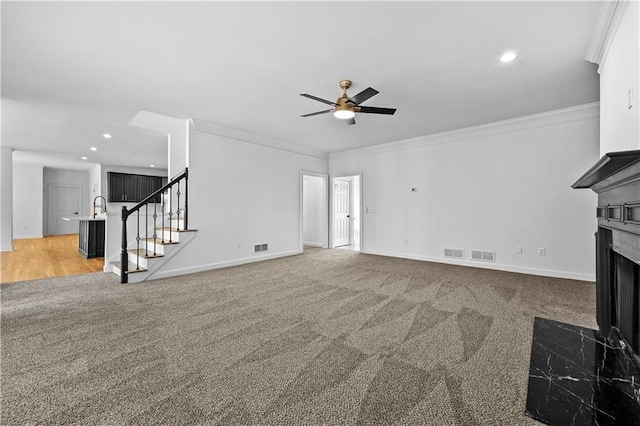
588,377
578,377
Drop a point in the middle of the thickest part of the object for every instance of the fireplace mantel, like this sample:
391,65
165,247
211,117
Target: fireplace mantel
612,169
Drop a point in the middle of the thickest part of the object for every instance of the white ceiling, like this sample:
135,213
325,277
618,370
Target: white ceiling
74,70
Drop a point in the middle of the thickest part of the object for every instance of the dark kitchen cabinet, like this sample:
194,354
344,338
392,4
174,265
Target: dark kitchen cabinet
91,238
130,188
148,185
123,187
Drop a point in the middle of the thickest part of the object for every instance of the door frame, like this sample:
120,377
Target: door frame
331,208
325,178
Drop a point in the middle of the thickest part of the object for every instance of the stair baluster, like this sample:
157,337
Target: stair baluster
138,242
178,209
155,232
164,196
146,230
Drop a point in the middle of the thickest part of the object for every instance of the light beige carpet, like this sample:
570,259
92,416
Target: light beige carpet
329,337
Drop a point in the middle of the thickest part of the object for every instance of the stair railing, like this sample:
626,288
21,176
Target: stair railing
166,192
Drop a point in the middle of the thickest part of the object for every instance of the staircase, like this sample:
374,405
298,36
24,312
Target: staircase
149,258
157,242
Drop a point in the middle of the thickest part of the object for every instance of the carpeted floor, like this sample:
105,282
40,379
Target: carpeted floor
329,337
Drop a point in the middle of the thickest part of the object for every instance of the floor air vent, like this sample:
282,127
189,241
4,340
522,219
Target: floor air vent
260,247
455,253
485,256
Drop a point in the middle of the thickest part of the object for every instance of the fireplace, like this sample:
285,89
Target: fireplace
616,180
592,377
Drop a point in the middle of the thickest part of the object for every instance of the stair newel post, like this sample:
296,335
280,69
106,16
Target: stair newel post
124,256
170,213
186,197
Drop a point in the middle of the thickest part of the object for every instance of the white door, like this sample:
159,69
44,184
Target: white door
64,201
341,220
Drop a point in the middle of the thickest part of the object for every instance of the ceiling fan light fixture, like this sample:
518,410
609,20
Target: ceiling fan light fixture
343,113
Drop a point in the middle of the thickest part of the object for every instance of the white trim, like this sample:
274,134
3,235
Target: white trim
224,264
307,243
208,127
549,118
6,248
495,266
604,31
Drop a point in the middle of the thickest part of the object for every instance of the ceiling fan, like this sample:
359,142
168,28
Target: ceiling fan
345,107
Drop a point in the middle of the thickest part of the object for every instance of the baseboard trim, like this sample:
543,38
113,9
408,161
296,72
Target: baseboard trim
27,237
225,264
320,245
6,248
495,266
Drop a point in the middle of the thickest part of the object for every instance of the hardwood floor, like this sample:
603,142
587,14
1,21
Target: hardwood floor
52,256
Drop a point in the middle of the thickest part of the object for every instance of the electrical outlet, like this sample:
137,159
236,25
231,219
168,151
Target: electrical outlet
237,244
518,249
542,251
406,240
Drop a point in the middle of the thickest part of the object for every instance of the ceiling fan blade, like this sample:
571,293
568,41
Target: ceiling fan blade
377,110
316,113
363,96
350,121
315,98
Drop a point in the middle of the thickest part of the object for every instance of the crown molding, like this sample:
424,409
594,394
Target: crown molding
604,31
205,126
549,118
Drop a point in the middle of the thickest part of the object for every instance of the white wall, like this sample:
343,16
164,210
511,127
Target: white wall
27,200
620,72
95,184
6,198
315,211
489,188
241,192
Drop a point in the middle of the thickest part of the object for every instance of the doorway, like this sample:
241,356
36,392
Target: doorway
65,201
346,208
314,210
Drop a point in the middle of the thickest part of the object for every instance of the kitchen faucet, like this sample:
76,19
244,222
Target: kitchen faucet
103,207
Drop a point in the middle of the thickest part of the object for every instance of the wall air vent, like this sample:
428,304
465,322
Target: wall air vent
260,247
483,255
455,253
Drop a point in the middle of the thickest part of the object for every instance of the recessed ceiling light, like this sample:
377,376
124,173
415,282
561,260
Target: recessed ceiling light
152,165
508,57
106,135
83,158
93,148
